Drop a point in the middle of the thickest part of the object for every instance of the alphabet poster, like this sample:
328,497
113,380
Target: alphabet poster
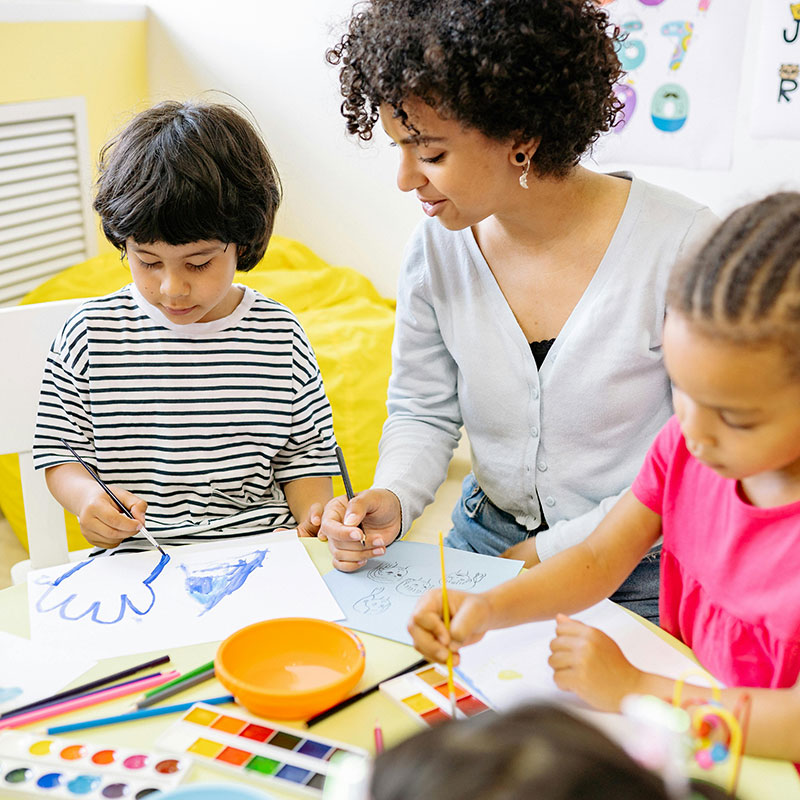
776,98
682,62
139,602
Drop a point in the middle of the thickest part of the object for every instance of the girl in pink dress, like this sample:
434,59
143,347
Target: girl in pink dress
721,484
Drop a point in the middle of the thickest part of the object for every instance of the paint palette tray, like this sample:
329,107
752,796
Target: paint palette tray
253,748
424,695
34,764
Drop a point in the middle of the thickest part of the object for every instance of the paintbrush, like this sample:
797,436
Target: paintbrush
348,487
446,615
116,500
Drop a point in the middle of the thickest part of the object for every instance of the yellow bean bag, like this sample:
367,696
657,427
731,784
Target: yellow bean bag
349,325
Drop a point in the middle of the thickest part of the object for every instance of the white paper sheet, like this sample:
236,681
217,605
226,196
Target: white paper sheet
138,602
509,666
380,597
31,671
683,63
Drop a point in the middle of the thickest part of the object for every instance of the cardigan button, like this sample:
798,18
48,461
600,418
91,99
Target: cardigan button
550,501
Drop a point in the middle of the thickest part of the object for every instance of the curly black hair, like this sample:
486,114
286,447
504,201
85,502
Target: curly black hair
188,172
512,69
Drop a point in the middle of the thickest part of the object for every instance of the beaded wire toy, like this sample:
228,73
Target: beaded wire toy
717,734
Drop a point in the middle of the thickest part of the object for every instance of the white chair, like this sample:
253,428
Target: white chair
26,333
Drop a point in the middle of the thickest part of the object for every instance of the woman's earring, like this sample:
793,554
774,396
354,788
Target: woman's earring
523,178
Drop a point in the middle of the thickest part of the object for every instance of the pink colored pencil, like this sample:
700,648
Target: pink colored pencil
87,700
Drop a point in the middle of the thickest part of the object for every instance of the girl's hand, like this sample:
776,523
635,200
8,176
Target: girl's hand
310,525
590,664
373,515
469,620
102,523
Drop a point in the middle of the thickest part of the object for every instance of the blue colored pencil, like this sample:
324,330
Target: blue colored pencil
134,715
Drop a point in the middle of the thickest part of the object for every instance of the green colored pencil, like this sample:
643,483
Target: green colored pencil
181,679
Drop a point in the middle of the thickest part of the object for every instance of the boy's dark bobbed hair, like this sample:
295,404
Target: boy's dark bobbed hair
188,172
512,69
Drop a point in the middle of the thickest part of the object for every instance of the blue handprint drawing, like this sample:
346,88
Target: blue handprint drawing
74,594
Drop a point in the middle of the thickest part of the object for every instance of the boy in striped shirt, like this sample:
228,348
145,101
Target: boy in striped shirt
198,400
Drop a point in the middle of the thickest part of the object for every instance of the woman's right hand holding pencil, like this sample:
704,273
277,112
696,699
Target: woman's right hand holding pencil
372,516
470,618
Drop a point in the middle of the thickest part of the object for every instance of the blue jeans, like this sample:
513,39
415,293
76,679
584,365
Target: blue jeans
481,527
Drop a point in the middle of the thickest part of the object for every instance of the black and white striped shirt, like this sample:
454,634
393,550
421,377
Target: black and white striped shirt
204,421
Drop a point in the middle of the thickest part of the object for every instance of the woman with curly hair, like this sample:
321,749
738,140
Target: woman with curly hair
531,300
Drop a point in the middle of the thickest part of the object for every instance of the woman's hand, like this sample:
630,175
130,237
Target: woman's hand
469,620
590,664
372,516
102,523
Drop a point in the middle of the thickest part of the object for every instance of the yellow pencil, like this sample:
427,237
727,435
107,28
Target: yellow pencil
446,614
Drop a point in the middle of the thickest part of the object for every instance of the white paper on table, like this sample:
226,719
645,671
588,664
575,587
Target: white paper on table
509,666
380,597
31,671
138,602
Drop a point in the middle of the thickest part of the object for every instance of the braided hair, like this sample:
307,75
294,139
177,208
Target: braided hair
744,285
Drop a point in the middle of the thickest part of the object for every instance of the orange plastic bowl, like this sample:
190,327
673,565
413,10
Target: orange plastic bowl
290,668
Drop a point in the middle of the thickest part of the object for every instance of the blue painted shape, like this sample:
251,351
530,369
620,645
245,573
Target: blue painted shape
209,585
9,693
93,608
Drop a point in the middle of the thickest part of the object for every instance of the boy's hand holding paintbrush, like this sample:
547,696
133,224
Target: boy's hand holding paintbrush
102,523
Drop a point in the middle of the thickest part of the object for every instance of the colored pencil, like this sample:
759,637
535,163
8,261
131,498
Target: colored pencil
134,715
354,698
190,674
76,703
348,487
147,535
177,687
84,688
44,704
446,615
378,738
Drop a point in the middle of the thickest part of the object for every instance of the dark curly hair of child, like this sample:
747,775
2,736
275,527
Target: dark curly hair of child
537,751
512,69
189,172
744,285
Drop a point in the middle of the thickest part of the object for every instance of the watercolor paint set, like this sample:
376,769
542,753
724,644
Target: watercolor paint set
33,764
425,696
254,748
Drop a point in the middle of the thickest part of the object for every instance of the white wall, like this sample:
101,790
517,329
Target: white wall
340,197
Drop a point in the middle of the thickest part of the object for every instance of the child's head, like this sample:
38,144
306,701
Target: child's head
539,751
522,70
732,341
181,173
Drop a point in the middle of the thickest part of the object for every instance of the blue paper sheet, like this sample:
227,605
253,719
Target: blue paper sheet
380,597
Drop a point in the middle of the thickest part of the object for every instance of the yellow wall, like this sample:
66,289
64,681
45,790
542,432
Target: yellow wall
106,62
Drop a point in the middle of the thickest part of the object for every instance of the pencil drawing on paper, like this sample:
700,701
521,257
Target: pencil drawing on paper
374,603
70,596
387,572
390,573
211,583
